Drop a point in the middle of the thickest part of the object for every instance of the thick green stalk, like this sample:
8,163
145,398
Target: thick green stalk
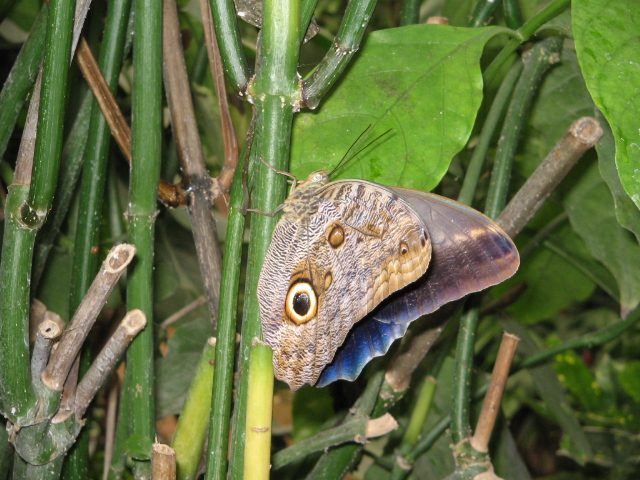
410,12
257,452
226,333
92,190
229,43
536,64
17,398
146,133
552,10
20,80
474,170
46,161
482,13
191,430
344,46
419,412
512,13
275,94
460,424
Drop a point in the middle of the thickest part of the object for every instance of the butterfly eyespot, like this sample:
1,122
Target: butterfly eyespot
404,248
301,304
336,236
328,280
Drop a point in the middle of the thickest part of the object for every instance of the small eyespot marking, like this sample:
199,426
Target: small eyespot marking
423,239
328,280
404,248
336,236
301,304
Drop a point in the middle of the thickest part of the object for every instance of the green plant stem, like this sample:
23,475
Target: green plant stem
512,13
191,431
419,412
307,7
146,133
46,161
73,154
482,13
410,13
345,45
257,451
338,461
274,93
226,332
92,190
460,423
536,64
552,10
229,43
474,170
17,397
20,80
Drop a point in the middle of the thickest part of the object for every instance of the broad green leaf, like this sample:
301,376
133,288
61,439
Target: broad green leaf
592,215
421,82
629,376
579,380
608,45
626,212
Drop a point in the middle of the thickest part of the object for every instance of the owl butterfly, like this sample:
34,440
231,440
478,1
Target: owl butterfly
341,251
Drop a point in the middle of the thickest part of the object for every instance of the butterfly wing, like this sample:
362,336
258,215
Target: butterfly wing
470,252
331,261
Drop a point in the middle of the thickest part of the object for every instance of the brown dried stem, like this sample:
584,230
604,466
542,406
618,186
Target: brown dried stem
76,332
163,462
217,73
493,398
133,322
185,129
48,332
171,195
580,137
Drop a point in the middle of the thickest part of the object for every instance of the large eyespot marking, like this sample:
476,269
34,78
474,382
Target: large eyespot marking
336,236
301,304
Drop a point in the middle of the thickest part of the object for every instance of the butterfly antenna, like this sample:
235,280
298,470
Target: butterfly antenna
351,153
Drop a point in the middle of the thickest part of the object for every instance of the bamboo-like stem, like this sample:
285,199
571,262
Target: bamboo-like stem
580,137
48,146
337,461
185,129
512,13
191,431
235,62
410,12
419,412
48,332
73,154
460,426
500,101
257,451
145,172
493,398
550,11
21,78
217,73
357,428
163,462
482,13
226,333
106,361
537,62
171,195
74,335
275,94
345,45
110,429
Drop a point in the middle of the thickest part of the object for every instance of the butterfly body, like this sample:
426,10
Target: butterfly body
339,251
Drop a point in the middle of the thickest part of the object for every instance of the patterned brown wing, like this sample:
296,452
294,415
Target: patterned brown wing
335,255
